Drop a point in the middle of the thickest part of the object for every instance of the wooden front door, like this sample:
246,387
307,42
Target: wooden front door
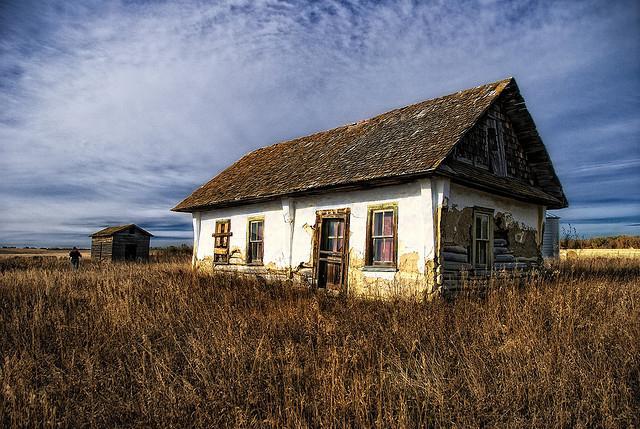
332,249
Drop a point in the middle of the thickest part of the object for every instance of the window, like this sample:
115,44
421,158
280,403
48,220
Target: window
332,235
481,155
382,236
221,242
492,138
255,247
482,237
497,155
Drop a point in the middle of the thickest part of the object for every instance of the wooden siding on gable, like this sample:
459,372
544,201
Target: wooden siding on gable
505,156
401,145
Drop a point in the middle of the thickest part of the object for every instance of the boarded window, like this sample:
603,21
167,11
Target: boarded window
482,150
482,237
382,236
493,144
221,242
496,150
255,249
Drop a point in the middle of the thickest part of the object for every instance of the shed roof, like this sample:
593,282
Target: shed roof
111,230
404,143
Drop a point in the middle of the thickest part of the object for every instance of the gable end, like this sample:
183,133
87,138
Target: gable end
504,150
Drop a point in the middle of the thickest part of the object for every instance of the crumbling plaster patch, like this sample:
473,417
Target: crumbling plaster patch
521,238
456,226
515,221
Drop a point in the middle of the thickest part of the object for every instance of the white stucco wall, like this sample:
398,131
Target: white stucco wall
274,227
284,249
413,219
289,223
525,213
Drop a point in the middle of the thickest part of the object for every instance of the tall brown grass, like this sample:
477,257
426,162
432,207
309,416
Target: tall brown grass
159,345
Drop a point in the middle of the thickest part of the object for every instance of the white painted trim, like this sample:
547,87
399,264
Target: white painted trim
197,224
289,216
427,218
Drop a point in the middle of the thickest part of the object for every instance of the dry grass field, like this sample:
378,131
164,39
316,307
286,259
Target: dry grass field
158,253
599,253
158,345
35,252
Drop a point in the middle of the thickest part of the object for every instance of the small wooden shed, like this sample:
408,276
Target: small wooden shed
120,243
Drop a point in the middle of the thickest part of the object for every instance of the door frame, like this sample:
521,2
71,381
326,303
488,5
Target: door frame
127,253
345,215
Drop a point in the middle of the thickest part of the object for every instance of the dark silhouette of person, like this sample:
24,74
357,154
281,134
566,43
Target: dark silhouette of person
74,257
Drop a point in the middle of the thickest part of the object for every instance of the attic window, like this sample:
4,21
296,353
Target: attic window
132,230
497,158
492,138
481,152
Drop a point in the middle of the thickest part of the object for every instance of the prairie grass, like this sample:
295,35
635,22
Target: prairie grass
160,345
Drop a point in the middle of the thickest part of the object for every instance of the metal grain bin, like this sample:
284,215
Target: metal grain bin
551,237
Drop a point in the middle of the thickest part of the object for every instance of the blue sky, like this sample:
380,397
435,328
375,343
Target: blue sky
114,111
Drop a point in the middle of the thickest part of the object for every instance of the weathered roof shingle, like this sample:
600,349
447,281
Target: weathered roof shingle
406,142
111,230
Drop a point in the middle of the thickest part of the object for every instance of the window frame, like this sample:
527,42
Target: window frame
219,235
379,265
479,212
249,261
484,146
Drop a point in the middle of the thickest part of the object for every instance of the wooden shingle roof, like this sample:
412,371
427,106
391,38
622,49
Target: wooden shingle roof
403,143
111,230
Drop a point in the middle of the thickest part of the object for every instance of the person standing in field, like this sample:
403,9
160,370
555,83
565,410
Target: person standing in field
74,257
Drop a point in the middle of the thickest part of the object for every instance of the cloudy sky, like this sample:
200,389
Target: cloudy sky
114,111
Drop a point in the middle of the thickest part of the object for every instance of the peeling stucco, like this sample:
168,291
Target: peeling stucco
516,232
435,218
521,239
409,262
457,230
456,226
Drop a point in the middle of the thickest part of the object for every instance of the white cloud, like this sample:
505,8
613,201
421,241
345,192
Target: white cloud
138,103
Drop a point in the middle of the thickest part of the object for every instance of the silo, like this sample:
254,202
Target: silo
551,237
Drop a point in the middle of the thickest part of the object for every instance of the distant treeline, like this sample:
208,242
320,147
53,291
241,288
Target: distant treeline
615,242
164,254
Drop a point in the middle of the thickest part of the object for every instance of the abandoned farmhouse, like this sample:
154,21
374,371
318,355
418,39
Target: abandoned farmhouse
120,243
410,201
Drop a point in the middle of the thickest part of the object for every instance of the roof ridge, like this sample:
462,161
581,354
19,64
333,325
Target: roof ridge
118,228
404,141
500,86
504,81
